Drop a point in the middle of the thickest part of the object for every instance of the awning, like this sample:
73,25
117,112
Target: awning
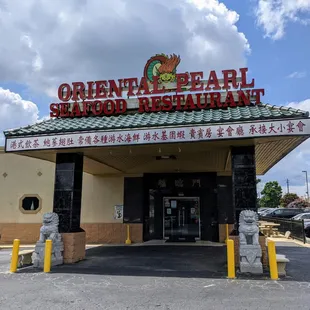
198,140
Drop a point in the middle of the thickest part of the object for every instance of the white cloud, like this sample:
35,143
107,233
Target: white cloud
274,15
301,105
291,166
49,42
297,75
15,112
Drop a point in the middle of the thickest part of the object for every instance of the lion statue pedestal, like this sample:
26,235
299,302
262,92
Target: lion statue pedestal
250,249
49,231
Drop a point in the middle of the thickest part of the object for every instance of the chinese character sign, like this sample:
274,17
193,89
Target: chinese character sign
196,183
161,135
179,183
162,183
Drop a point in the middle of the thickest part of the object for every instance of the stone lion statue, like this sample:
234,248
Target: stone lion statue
248,227
49,229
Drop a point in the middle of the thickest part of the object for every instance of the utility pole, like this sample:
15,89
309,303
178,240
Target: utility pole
288,185
307,185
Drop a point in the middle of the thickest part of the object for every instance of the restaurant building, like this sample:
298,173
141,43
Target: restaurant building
174,155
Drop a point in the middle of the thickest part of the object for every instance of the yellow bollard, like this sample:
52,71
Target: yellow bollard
14,259
231,272
48,255
226,233
128,241
272,260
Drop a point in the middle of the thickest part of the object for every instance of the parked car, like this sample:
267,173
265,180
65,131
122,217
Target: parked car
302,216
262,210
307,229
267,211
284,212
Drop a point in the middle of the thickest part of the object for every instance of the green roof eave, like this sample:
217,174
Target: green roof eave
158,119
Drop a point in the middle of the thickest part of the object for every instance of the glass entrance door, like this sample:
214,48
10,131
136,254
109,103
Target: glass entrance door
181,218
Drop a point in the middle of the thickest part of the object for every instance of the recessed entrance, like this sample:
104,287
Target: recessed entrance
181,218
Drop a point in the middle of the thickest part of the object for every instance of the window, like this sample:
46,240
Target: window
288,211
30,204
277,212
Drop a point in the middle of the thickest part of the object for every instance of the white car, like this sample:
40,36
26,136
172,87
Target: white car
267,211
262,210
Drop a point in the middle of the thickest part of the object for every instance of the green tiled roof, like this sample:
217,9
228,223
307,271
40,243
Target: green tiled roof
138,120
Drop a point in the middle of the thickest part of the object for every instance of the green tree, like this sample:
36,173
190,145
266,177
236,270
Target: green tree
288,198
272,194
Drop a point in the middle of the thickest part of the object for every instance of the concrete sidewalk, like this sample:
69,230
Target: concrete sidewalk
290,241
158,278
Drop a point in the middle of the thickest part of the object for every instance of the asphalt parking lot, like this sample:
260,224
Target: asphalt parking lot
155,277
154,261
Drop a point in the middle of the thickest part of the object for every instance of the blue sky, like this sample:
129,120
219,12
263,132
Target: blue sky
282,67
55,42
272,61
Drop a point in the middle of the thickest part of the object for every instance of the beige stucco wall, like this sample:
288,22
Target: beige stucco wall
99,195
22,178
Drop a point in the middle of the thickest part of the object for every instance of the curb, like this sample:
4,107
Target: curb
8,246
3,247
306,245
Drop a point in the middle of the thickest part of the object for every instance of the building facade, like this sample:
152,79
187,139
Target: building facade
23,177
174,156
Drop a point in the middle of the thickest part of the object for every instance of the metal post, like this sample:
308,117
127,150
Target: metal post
227,234
48,255
306,172
303,231
273,267
231,271
14,259
288,185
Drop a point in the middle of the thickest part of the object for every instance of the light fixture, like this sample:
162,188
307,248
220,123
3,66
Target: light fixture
163,157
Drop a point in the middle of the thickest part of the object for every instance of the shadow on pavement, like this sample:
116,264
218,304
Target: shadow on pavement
175,261
298,269
150,261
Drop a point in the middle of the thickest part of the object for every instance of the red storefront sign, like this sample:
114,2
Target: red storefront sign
154,92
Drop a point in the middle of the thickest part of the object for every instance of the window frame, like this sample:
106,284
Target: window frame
22,210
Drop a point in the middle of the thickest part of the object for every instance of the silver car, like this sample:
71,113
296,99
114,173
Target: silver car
302,216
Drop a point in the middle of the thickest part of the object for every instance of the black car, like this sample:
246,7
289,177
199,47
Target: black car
307,229
284,212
